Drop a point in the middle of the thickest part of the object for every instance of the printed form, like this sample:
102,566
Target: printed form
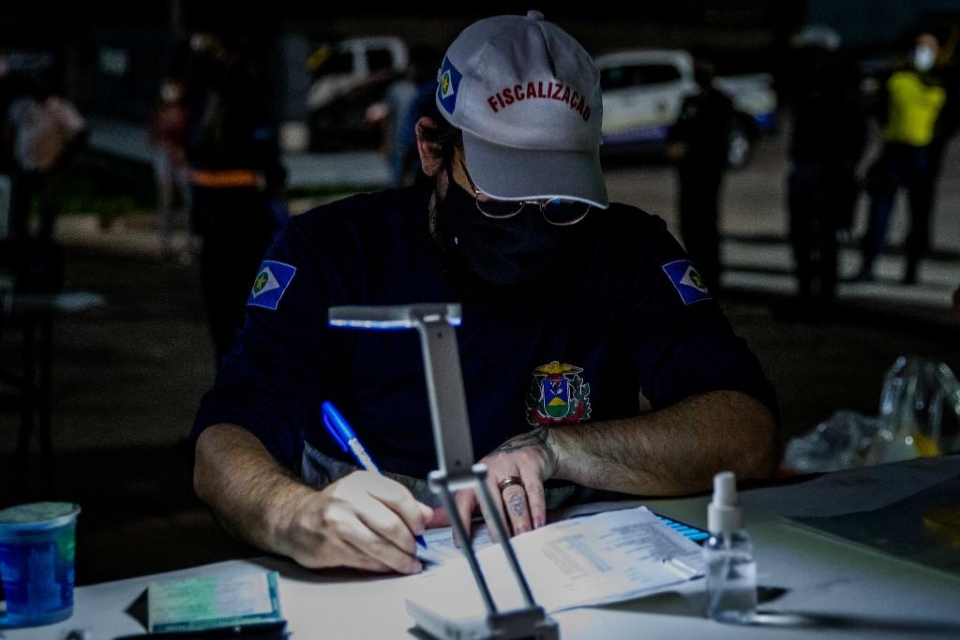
597,559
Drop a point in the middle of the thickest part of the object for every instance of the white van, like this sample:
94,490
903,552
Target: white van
340,67
347,76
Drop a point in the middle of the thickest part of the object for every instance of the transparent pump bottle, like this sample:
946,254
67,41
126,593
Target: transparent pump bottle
731,568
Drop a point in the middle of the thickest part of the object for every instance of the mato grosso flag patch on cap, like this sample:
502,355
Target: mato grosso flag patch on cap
687,281
270,284
448,85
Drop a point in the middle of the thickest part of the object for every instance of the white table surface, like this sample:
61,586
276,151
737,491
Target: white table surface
834,588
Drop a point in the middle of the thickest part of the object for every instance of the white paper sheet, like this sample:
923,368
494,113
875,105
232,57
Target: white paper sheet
607,557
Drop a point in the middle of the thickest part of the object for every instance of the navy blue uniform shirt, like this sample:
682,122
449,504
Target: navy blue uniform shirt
625,312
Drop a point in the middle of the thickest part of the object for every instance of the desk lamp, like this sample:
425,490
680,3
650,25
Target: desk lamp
451,433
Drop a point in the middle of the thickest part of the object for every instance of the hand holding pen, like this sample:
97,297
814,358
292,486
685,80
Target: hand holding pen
343,433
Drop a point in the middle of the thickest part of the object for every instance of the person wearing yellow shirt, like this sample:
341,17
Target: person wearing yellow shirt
915,98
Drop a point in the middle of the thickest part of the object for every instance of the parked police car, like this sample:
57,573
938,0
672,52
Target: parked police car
643,90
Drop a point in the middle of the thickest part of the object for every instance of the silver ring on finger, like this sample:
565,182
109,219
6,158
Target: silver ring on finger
509,481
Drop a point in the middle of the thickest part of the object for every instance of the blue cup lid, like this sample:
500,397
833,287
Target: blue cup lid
39,516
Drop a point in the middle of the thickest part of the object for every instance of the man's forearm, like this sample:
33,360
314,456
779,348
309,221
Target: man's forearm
674,451
248,491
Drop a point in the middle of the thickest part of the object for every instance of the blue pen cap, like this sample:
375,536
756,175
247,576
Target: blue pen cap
336,424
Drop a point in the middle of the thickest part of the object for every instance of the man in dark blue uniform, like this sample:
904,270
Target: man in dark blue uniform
593,358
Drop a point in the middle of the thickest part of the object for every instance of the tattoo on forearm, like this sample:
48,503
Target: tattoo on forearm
540,440
537,437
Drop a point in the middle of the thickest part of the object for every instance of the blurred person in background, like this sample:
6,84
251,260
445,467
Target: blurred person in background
235,173
387,114
45,132
169,125
947,70
830,129
397,114
404,159
9,86
699,143
909,112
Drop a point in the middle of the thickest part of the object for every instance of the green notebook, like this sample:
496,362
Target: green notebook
193,604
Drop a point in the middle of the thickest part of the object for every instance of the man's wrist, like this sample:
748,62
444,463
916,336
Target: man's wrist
551,450
284,508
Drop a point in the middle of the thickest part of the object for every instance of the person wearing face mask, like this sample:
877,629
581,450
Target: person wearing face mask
913,100
594,360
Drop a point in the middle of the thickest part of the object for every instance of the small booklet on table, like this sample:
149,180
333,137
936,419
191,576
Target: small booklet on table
194,604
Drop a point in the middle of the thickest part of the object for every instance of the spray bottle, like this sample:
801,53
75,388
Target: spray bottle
731,568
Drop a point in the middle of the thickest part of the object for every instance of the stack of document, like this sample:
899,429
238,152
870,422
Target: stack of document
602,558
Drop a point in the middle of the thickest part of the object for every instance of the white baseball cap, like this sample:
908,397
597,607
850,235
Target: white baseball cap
527,97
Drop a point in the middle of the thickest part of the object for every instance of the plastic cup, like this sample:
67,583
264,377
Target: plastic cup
37,550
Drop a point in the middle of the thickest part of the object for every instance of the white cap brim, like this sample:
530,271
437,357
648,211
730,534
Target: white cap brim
510,173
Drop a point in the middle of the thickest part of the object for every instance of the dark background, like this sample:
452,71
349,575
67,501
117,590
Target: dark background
80,42
128,376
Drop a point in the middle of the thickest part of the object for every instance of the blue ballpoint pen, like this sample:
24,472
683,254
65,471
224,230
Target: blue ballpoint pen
343,433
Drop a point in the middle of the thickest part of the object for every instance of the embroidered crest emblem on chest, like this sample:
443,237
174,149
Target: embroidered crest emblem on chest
558,395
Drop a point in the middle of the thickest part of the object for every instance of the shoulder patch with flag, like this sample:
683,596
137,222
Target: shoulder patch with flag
270,284
687,281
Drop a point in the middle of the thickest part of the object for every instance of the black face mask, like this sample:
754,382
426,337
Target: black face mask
501,251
